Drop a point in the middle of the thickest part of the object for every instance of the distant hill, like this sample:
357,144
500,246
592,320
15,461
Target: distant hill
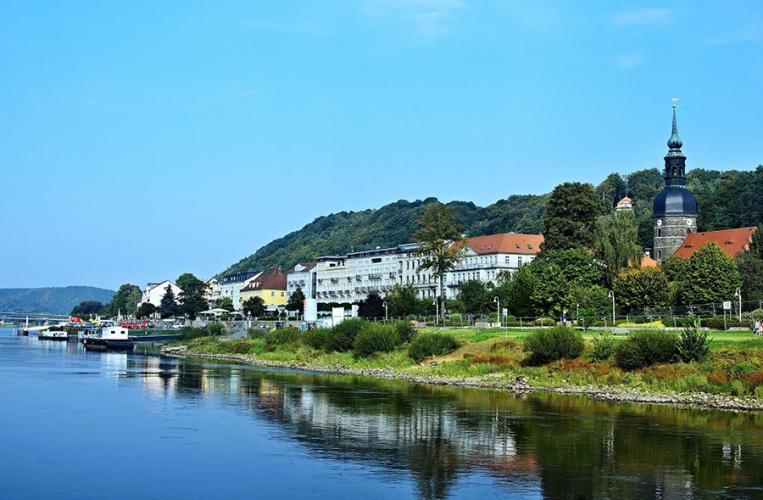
52,300
726,199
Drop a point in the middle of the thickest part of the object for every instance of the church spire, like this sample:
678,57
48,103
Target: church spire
675,161
675,143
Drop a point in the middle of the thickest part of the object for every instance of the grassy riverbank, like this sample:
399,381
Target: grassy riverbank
734,366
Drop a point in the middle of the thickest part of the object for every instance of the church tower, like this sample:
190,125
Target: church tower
674,210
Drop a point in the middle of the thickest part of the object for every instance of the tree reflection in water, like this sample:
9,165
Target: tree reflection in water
560,446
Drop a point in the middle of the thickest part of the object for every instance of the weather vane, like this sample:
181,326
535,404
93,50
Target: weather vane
675,101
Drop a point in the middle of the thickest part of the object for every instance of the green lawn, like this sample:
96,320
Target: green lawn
469,334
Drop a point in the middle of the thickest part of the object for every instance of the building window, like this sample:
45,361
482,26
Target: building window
659,232
272,294
519,261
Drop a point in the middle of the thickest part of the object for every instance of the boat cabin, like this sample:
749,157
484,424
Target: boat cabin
114,333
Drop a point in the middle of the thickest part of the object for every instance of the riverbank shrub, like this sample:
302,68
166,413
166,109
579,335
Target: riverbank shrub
603,347
405,331
256,332
316,338
281,337
431,344
647,348
216,329
375,337
693,344
553,344
342,336
193,333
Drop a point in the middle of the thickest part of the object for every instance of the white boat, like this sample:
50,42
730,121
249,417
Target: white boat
114,338
53,333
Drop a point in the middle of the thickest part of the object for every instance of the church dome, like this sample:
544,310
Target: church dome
674,200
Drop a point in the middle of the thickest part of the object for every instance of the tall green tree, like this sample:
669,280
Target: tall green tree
372,307
711,277
570,217
145,310
440,244
674,268
296,301
254,306
750,266
578,265
520,292
125,301
192,298
551,292
611,190
402,301
615,237
225,303
87,309
168,307
475,297
639,289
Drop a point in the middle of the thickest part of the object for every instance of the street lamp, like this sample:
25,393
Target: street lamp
436,309
386,311
738,295
497,303
612,296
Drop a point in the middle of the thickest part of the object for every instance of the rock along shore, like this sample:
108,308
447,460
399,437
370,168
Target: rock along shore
519,385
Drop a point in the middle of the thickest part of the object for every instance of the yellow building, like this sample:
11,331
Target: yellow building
270,286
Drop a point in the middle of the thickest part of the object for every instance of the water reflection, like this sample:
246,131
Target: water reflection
440,441
562,447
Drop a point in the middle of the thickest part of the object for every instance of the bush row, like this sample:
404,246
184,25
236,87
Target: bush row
362,338
639,350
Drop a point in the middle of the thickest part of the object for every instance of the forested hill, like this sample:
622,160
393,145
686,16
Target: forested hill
59,300
726,199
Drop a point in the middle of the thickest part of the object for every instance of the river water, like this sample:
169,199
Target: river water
82,425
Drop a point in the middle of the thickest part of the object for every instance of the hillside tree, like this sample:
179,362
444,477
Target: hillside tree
570,217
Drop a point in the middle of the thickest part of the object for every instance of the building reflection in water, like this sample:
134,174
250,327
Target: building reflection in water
557,446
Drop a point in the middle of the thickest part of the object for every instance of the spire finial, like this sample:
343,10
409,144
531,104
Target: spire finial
674,143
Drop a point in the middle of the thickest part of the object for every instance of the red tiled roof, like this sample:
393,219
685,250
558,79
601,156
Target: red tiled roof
731,241
506,243
270,279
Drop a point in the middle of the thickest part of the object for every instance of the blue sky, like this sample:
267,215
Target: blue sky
142,139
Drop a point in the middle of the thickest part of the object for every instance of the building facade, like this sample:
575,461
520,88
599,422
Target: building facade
302,277
154,292
674,210
270,286
349,278
231,285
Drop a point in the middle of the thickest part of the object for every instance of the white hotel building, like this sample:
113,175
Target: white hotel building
349,278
